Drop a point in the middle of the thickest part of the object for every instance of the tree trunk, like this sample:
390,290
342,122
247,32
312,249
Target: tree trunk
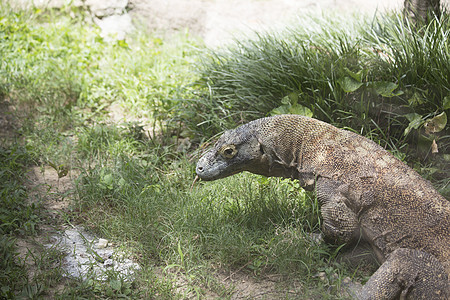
421,11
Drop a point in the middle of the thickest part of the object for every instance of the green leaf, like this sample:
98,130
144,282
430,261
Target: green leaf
436,124
296,109
301,110
293,97
415,100
446,103
286,100
115,284
180,253
415,120
157,41
108,181
122,44
5,289
60,169
122,182
349,84
280,110
386,88
357,76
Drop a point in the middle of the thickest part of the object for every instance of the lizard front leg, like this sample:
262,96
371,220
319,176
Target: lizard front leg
340,223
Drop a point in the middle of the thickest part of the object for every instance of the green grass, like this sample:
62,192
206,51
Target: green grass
21,218
135,187
60,75
264,228
140,195
15,216
83,74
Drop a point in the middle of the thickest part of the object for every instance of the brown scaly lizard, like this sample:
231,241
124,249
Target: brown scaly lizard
364,191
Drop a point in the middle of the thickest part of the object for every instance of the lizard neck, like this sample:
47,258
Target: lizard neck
293,145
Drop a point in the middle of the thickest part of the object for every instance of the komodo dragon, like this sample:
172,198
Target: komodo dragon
364,191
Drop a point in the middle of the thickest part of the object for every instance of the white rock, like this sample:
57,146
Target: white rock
82,260
102,243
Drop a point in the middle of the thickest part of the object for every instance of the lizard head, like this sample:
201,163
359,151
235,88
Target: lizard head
236,151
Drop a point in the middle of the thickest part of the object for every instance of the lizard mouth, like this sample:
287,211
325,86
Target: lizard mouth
212,171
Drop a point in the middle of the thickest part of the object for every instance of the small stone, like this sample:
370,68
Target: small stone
322,276
102,243
107,253
347,281
108,263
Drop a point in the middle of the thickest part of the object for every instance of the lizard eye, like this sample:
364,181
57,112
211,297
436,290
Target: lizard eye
228,151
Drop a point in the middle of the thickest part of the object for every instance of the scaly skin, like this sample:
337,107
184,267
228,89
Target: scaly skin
365,193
